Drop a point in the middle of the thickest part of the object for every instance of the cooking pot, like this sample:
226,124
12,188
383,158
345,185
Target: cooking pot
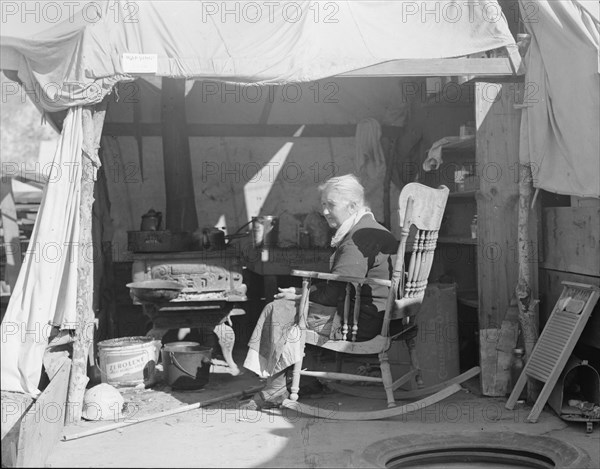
213,238
151,221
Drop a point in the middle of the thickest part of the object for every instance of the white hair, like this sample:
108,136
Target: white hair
348,187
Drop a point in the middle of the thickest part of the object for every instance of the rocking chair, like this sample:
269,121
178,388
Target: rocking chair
420,207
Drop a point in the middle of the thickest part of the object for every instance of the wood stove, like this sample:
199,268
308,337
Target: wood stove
214,292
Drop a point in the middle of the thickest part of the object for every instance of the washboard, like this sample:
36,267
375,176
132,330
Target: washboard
556,343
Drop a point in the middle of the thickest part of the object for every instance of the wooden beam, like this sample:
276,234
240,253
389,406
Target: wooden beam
43,424
179,184
571,239
516,61
436,68
497,142
118,129
418,68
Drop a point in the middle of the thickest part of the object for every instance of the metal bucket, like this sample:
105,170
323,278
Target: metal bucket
265,230
186,366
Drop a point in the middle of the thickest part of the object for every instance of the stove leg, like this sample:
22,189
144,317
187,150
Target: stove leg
226,337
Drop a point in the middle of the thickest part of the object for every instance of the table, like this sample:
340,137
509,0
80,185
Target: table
281,261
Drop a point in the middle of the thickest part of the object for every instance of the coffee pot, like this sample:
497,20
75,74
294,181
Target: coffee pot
151,221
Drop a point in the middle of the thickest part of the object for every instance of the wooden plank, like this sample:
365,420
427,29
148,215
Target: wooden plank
14,408
498,125
498,66
516,61
121,129
507,341
44,422
571,239
488,358
584,201
436,68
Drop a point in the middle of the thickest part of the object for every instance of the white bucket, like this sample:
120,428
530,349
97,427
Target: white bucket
128,361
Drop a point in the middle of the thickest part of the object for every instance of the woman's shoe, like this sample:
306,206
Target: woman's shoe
266,400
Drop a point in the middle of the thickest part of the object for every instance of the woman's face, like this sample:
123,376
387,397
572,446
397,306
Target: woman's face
335,209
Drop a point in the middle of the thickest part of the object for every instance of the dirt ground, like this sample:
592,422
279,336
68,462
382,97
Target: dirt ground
223,435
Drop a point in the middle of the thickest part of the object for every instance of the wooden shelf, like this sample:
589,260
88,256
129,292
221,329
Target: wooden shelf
457,240
462,194
466,143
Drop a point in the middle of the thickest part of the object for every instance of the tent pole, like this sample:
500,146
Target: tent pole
92,121
527,249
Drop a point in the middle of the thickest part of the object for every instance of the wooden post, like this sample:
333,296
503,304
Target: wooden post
498,127
528,318
84,329
179,184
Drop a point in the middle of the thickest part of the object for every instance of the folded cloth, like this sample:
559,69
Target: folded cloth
277,341
434,154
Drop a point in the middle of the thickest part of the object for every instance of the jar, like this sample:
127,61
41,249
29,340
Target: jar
516,368
474,227
304,239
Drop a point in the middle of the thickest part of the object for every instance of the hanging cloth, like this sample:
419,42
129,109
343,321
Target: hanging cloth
369,152
45,293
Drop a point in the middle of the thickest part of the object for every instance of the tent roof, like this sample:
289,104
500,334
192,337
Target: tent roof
80,59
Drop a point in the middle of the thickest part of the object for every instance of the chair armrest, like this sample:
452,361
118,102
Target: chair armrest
340,278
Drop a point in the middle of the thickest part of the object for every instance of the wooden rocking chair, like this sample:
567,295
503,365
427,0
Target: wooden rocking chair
420,207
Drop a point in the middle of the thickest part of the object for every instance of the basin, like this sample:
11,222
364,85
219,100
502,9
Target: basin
155,291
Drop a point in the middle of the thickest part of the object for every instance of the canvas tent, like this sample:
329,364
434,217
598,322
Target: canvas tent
78,62
559,129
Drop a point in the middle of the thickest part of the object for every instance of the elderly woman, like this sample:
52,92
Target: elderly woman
363,248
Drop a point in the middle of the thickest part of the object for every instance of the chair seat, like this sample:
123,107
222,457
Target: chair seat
374,345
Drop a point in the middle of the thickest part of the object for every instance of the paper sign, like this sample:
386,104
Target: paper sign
140,63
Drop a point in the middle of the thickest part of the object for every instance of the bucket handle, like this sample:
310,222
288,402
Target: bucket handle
102,372
180,368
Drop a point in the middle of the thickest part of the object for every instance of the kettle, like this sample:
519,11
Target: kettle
151,221
213,238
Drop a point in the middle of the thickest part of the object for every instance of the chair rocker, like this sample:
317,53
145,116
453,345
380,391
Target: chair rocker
420,209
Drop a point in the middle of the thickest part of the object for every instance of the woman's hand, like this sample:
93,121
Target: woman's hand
287,294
